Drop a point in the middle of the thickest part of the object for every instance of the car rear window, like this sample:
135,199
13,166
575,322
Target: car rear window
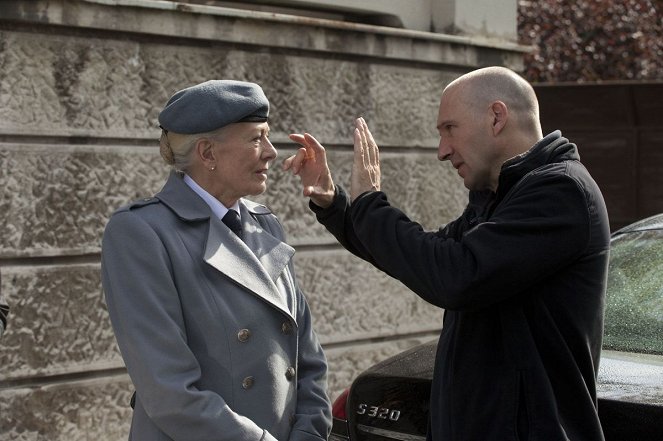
634,301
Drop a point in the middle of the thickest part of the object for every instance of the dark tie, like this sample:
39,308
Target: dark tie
231,219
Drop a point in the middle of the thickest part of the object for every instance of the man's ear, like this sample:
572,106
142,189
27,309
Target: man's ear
205,153
500,115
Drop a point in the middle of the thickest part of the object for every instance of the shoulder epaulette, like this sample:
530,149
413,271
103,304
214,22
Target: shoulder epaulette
256,208
139,203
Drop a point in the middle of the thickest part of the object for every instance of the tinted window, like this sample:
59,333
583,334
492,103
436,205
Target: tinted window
634,303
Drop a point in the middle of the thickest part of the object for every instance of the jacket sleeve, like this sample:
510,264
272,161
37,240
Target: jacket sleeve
542,227
313,414
336,219
145,311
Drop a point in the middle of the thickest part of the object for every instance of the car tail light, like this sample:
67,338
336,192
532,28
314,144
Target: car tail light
338,408
340,418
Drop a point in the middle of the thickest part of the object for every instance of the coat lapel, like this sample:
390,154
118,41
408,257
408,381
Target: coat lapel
229,255
255,264
274,255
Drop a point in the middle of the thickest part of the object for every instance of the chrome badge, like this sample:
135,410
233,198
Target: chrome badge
378,412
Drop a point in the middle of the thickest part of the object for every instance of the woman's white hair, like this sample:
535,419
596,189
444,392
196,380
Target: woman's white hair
176,149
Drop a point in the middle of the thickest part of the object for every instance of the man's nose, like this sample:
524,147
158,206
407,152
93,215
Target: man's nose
443,151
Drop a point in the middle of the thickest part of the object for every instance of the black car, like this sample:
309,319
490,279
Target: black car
390,401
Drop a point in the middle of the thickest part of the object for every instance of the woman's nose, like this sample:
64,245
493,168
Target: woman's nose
269,149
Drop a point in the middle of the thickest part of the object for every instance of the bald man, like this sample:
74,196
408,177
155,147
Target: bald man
520,274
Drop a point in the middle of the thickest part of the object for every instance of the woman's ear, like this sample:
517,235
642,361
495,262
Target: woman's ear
500,115
205,152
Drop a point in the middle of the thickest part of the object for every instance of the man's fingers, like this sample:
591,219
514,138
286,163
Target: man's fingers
358,150
310,164
308,141
295,161
303,141
297,137
314,144
373,151
300,158
366,148
287,162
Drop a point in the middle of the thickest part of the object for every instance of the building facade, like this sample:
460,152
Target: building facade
81,85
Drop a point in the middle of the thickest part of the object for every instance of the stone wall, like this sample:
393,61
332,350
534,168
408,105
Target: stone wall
81,84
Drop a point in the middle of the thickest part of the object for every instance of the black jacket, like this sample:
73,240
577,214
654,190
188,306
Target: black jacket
521,276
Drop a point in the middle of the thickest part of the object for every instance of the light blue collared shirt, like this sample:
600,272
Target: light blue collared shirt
217,207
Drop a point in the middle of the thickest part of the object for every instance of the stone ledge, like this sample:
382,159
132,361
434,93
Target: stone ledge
61,206
351,300
68,86
96,409
172,19
59,323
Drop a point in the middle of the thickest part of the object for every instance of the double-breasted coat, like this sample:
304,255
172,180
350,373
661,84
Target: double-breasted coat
214,331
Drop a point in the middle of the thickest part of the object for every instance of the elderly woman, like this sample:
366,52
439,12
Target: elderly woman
213,328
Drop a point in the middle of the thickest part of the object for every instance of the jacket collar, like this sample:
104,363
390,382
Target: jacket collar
255,263
182,200
550,149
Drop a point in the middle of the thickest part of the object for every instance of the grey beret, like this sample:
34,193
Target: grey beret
213,104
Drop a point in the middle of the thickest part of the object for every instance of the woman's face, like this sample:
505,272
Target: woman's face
243,154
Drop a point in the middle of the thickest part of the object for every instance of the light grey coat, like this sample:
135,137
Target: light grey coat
215,333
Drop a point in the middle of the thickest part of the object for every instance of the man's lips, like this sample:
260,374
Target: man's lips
457,166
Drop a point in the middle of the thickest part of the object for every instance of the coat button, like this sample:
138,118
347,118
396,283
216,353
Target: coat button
243,335
290,373
286,328
292,419
247,383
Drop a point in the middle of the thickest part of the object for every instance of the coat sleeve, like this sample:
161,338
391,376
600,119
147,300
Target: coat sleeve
146,314
541,228
313,414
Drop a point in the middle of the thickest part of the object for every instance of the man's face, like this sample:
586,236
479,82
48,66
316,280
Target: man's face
243,155
465,139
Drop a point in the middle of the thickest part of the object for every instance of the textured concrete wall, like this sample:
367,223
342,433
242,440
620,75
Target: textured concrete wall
81,84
